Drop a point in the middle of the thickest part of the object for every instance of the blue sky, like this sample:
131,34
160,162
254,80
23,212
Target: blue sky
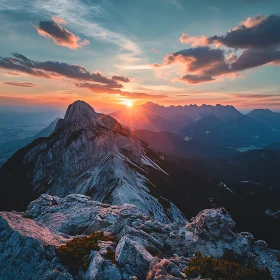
124,38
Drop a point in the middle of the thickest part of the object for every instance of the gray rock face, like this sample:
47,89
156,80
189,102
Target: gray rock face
27,249
133,257
92,154
145,245
101,269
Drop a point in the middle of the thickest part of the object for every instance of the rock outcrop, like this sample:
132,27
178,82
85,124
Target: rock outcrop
27,250
145,248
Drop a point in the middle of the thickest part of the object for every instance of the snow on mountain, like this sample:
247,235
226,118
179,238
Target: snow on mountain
88,153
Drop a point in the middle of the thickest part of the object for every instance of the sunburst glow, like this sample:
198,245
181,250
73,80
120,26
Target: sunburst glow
127,103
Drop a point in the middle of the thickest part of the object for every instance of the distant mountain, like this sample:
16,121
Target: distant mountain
266,117
141,117
212,125
18,125
172,144
154,117
237,131
257,166
9,148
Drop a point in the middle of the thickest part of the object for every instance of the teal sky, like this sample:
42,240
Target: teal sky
124,38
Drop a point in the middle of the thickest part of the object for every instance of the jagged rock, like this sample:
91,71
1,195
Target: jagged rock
57,275
133,257
26,249
146,246
212,224
101,269
165,270
78,214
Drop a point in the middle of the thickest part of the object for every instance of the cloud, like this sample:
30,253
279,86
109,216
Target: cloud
61,36
251,58
121,79
84,16
155,50
19,84
194,41
97,88
254,32
196,79
175,3
155,65
256,96
258,39
54,70
202,61
203,64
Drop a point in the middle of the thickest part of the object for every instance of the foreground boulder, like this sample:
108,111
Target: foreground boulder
139,245
133,257
27,249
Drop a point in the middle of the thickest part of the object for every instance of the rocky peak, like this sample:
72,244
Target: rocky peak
80,111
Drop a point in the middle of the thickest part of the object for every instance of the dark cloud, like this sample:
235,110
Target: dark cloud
202,64
258,38
97,88
121,79
255,32
196,79
19,84
251,58
204,60
61,36
54,69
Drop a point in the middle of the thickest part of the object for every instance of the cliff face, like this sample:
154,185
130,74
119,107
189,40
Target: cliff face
144,247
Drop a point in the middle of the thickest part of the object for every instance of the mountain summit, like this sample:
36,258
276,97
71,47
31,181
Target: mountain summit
88,153
80,111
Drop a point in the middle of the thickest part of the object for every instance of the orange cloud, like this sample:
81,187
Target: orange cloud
194,41
61,36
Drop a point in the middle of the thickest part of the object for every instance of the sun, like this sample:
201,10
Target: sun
127,103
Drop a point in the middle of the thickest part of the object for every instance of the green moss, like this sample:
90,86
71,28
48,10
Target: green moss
220,269
74,254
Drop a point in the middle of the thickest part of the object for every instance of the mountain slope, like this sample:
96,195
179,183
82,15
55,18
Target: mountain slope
88,153
172,144
239,131
266,117
9,148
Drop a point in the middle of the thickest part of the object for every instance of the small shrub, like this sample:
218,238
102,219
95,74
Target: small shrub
26,216
219,269
110,255
152,250
74,254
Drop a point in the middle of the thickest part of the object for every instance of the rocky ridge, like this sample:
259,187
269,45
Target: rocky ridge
145,248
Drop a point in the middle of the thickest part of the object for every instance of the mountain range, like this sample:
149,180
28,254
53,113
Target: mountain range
92,173
212,125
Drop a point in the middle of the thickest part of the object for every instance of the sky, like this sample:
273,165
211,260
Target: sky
111,53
